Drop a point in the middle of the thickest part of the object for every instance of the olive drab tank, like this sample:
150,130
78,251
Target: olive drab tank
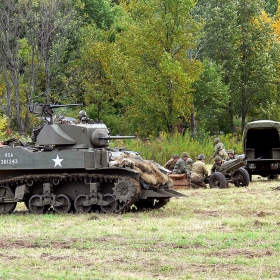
70,168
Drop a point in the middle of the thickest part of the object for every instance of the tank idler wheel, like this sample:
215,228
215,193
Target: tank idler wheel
36,206
112,206
7,208
65,204
217,180
78,204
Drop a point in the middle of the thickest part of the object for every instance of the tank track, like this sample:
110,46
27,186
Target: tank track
123,205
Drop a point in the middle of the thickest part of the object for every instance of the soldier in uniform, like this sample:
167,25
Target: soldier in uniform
181,165
189,164
217,164
83,118
231,155
219,149
199,172
171,163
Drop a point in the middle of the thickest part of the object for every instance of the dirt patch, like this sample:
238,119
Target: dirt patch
23,243
209,213
231,252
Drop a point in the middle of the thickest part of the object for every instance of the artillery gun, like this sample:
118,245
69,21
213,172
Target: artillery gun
231,171
70,168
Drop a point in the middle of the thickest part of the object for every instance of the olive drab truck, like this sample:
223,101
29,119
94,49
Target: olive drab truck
261,145
70,168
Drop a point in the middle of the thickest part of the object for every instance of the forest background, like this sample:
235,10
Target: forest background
181,72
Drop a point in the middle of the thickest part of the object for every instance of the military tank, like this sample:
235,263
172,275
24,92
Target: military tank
69,167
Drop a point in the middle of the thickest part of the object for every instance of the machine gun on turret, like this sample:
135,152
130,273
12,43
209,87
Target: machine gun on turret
46,110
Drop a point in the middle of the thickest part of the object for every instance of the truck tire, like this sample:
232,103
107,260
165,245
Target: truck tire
217,180
240,177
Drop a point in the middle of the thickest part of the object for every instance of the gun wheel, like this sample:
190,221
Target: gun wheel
217,180
241,177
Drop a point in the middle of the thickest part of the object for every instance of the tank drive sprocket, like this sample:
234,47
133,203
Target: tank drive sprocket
123,190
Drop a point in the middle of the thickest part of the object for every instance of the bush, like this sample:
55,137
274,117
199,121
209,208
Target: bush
162,149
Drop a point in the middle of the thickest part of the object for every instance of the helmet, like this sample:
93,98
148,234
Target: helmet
218,158
175,156
216,140
82,113
201,156
185,154
230,152
189,160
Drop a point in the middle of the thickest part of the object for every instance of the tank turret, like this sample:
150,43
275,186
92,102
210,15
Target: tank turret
70,168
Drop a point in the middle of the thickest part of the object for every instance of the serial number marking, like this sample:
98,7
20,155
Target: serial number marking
8,155
9,161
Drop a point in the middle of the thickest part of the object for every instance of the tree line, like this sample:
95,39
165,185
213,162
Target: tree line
142,66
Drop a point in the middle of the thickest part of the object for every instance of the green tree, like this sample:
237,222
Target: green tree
137,75
152,71
237,37
101,12
211,100
35,38
271,6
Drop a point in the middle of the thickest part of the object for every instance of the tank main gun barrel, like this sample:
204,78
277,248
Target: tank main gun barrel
116,137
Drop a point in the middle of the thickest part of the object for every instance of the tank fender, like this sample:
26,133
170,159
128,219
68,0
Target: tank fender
118,170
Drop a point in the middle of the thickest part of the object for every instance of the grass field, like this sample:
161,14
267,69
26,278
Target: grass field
212,234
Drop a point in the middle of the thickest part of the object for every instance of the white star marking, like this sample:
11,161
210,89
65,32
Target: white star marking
57,161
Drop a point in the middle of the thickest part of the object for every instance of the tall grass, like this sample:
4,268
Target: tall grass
162,149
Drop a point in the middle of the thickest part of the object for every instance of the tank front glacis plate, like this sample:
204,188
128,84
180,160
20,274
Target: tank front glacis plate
23,158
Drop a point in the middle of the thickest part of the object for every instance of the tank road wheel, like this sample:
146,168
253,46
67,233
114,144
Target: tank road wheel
35,204
6,208
78,204
240,177
112,206
217,180
65,204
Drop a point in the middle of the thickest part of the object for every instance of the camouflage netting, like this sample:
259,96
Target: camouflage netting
149,172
